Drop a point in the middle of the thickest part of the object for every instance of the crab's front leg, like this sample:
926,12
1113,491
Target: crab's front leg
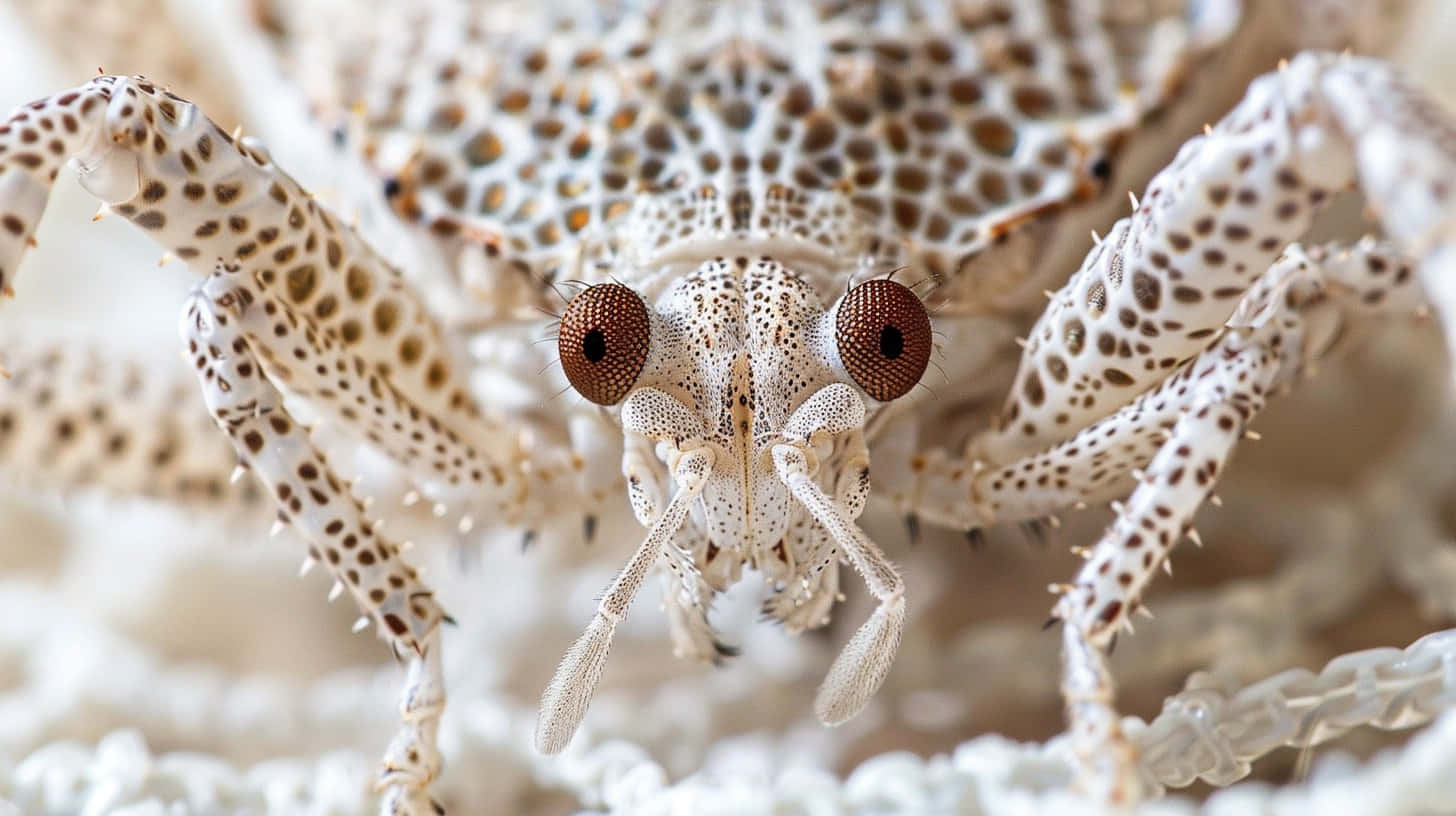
1094,389
311,496
1289,319
1158,288
296,300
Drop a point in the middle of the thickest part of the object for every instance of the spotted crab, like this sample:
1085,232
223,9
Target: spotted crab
776,246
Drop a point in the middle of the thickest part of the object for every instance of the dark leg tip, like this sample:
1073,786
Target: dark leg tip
1035,531
976,537
912,528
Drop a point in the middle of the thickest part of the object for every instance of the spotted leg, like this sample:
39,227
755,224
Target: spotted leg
207,196
1159,287
250,410
1287,320
1182,432
316,311
76,418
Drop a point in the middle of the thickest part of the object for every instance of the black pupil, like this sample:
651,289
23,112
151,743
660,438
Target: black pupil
594,345
892,342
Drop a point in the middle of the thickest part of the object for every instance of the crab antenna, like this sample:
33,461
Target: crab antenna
565,700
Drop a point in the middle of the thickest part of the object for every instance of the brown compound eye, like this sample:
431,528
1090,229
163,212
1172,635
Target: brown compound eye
883,334
603,342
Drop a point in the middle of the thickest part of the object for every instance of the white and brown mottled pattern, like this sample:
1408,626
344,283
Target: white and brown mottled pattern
738,170
74,417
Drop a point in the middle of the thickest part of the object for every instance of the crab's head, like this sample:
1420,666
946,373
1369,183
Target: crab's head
742,356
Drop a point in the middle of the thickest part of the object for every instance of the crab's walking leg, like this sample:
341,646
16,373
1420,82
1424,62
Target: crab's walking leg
314,308
1404,148
77,418
249,408
1288,319
1158,287
1153,294
208,197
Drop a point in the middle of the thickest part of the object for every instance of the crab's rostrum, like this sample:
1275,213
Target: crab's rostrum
771,219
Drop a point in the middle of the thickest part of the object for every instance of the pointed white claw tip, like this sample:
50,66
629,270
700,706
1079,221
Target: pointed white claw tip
101,212
1214,500
238,473
1132,198
307,566
1021,341
439,510
1079,505
1055,522
406,546
1145,612
1096,239
1254,435
361,624
166,257
411,498
335,591
367,501
278,526
1168,566
466,524
1195,537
